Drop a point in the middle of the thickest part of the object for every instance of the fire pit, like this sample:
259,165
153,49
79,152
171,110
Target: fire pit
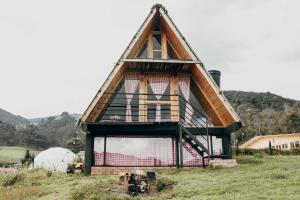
137,183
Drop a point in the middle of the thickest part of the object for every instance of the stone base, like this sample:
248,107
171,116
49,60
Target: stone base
223,163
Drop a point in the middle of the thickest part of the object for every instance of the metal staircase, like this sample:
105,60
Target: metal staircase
189,121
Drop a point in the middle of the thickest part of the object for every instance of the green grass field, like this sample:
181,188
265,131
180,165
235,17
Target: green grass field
266,177
14,154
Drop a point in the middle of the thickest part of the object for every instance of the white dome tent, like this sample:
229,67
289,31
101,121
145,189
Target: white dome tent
54,159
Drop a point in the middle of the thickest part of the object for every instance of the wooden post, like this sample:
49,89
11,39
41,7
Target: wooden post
174,99
211,146
143,99
104,157
150,46
177,153
164,46
226,146
89,151
180,147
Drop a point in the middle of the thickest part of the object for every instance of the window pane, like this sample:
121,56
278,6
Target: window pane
143,51
171,53
156,42
98,150
140,151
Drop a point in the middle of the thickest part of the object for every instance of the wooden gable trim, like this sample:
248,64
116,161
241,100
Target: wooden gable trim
92,111
185,51
208,108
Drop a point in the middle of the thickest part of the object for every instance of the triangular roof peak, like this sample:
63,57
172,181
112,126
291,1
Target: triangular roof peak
213,97
158,16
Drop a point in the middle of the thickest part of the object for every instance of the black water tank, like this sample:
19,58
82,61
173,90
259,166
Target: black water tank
216,75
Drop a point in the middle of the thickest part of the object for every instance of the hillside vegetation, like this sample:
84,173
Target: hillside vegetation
264,113
276,177
49,132
14,120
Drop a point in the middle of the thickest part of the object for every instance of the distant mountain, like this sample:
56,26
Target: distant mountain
56,117
14,120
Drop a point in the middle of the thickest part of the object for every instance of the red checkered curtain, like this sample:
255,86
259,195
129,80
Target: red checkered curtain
184,84
131,83
158,85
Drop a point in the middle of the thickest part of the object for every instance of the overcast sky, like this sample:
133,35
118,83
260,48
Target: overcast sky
54,55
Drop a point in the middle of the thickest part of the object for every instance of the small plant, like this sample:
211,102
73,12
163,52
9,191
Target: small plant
11,179
259,155
28,159
78,159
49,173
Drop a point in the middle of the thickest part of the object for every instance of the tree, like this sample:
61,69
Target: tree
75,144
8,134
28,159
292,122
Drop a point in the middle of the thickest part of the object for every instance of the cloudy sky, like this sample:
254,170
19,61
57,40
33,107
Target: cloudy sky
54,55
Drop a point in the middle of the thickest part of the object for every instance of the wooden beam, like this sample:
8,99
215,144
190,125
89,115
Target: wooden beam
150,46
151,60
154,102
142,99
89,149
206,104
174,99
164,54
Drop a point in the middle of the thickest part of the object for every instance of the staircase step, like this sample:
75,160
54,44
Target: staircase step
188,136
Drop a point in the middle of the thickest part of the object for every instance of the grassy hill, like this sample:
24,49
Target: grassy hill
276,177
13,154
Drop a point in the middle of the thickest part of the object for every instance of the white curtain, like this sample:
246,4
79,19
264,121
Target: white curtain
131,83
184,84
158,85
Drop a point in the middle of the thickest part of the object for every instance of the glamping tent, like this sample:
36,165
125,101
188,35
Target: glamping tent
54,159
159,107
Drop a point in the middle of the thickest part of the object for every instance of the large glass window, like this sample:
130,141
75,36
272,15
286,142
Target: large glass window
134,151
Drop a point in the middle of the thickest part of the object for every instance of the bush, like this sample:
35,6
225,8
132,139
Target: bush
11,179
253,152
260,155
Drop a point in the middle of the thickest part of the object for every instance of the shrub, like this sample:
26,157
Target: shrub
259,155
11,179
252,152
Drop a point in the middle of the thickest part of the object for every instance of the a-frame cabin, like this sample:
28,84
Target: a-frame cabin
159,107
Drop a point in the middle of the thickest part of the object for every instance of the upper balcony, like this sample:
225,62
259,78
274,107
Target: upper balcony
153,108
